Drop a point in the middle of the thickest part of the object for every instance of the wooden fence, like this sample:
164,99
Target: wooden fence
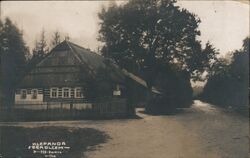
113,108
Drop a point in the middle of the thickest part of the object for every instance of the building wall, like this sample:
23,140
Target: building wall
29,99
103,107
71,99
44,96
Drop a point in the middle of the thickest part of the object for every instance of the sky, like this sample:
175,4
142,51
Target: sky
224,23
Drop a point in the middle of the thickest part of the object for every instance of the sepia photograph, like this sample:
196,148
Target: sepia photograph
124,79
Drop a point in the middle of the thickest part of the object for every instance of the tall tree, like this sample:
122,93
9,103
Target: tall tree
39,51
203,62
56,39
143,35
14,55
228,84
67,37
41,48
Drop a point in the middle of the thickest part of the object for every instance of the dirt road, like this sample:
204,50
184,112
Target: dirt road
202,131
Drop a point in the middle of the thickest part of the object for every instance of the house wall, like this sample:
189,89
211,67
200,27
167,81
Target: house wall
115,106
29,99
43,97
60,98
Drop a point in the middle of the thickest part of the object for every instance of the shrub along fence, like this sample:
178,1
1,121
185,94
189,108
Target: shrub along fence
101,109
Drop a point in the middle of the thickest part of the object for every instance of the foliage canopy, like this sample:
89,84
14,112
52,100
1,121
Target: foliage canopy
143,35
228,85
14,55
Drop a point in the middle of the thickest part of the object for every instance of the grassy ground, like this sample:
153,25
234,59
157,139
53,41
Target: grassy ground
14,141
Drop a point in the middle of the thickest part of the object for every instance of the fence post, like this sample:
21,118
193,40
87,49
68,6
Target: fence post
71,106
71,110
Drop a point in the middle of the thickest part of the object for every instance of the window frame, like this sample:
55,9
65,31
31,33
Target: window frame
32,93
23,90
117,90
81,92
69,92
51,92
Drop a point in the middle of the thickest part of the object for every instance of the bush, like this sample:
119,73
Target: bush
176,92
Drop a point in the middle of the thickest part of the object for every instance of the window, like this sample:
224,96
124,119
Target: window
23,94
66,92
34,93
78,92
117,91
53,92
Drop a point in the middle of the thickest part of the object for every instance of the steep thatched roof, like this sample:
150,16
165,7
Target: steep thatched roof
69,64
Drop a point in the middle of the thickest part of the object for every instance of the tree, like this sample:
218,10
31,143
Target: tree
176,91
228,83
39,51
56,39
203,62
41,48
67,37
143,35
14,53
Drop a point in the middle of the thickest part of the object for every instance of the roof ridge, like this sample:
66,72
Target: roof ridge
75,54
79,57
89,50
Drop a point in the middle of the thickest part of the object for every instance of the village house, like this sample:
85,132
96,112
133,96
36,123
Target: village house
66,78
74,78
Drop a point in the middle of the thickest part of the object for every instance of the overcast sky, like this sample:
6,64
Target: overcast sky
224,23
